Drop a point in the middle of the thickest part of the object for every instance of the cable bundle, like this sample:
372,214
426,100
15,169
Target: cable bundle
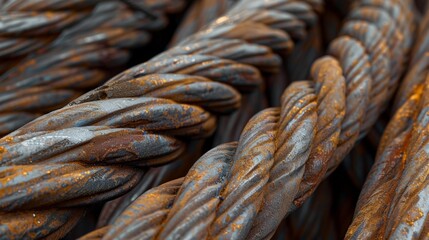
53,50
89,151
243,190
98,147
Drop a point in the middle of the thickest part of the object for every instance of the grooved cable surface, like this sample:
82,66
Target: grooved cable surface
396,191
203,12
304,51
88,151
199,15
243,190
53,50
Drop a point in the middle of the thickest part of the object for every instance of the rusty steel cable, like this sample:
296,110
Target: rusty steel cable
200,14
396,189
243,190
393,203
61,48
419,65
333,216
327,214
305,51
89,151
12,140
203,12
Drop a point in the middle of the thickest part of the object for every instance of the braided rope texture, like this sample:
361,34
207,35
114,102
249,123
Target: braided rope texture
243,190
396,191
93,149
53,50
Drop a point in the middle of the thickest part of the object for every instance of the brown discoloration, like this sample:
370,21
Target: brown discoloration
318,124
91,145
331,94
200,91
49,224
281,158
71,46
25,186
395,193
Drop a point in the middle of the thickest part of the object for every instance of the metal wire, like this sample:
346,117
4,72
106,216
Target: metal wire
61,48
243,190
395,192
134,111
237,190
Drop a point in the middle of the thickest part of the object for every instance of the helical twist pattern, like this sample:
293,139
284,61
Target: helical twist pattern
90,150
53,50
395,194
243,190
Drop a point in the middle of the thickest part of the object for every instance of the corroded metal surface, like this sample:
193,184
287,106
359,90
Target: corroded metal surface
66,47
243,190
93,149
396,192
158,102
305,51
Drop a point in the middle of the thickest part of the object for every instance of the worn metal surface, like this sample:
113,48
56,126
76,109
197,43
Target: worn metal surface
159,102
229,126
66,47
243,190
305,51
396,192
91,150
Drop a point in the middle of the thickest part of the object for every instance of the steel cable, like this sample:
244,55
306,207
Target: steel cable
89,151
60,48
396,189
243,190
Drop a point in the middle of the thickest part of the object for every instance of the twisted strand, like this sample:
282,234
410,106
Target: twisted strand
28,26
419,65
284,153
40,223
146,113
410,205
397,183
145,110
155,213
64,47
394,192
